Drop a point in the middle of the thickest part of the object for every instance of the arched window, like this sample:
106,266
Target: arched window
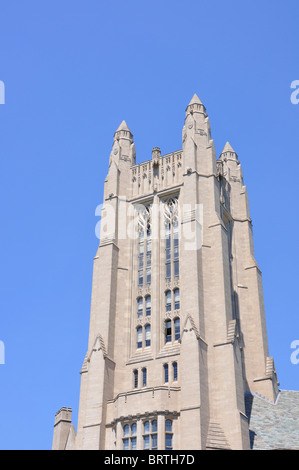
147,335
139,337
175,371
166,373
130,437
168,434
168,300
176,293
135,378
148,306
177,329
139,307
144,377
134,438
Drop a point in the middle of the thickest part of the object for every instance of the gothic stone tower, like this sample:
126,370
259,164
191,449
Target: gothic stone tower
177,323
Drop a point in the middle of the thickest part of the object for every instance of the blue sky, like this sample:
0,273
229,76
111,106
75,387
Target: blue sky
73,71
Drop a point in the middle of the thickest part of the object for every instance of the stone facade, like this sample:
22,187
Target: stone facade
177,323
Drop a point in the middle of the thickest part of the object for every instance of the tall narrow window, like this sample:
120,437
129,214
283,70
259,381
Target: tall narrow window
176,267
130,437
166,373
168,434
171,239
154,436
148,255
146,435
133,436
168,300
145,246
168,331
141,258
168,253
175,371
144,377
150,435
177,299
139,337
147,335
135,378
148,275
126,434
148,306
177,329
140,307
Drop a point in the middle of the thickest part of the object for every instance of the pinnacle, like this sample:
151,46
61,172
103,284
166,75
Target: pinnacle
123,127
228,148
195,99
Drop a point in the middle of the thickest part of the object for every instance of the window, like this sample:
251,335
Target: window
175,371
168,300
150,435
126,433
171,239
176,250
177,329
147,335
140,307
139,337
172,333
140,258
148,275
140,278
168,253
130,437
168,434
135,378
148,306
133,436
144,377
176,293
145,247
166,374
167,331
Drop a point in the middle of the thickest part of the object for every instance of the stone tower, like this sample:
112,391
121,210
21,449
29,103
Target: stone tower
177,324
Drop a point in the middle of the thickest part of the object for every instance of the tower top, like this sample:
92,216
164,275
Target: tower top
195,105
228,148
195,99
123,131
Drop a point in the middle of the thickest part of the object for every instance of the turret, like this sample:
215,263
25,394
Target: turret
197,139
122,157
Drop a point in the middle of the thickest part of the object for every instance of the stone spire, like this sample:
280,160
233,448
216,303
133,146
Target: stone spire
123,132
195,106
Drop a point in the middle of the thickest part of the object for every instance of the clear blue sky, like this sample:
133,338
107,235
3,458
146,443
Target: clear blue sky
73,71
